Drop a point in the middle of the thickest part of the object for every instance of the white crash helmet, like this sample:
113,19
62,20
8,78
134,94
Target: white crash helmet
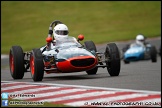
140,39
60,31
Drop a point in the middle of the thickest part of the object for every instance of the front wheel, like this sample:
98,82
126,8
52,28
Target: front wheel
36,65
16,62
112,57
126,62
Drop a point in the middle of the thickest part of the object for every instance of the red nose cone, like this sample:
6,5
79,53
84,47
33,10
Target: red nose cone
80,37
49,39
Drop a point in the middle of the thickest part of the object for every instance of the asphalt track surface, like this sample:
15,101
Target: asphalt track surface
141,75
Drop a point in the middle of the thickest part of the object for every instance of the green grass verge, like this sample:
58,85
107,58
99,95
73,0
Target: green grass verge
45,104
26,23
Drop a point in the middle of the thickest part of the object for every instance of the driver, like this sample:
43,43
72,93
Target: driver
140,40
60,32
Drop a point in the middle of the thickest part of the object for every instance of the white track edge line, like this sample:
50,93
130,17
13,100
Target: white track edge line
92,87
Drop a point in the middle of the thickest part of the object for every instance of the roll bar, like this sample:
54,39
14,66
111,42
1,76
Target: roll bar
51,27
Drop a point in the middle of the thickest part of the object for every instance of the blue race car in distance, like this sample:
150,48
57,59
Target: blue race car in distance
136,52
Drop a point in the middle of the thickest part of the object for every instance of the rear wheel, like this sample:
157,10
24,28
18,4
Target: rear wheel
91,46
112,57
36,65
153,53
16,62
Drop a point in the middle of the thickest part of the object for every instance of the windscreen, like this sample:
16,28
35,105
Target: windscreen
67,42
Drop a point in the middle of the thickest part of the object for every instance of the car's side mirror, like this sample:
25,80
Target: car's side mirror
80,37
49,39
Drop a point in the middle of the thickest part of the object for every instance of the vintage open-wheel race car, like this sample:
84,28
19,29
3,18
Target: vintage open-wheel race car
68,55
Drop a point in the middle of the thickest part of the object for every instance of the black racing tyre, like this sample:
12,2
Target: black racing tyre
112,57
160,51
153,54
125,61
91,46
36,65
16,62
